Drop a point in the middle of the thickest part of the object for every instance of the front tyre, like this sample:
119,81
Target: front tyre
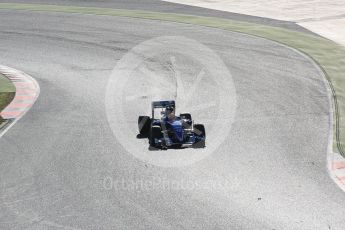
200,136
156,133
144,123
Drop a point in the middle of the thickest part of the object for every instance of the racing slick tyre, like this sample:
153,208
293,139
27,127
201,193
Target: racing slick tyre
144,123
156,133
199,132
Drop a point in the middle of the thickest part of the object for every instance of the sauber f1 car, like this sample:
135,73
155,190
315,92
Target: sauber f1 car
165,130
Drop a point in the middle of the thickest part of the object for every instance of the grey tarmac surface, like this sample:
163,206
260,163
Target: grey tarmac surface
271,170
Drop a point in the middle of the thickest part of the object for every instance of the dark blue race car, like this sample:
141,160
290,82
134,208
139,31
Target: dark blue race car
165,130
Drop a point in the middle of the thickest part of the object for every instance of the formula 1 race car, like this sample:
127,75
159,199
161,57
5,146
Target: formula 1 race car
165,130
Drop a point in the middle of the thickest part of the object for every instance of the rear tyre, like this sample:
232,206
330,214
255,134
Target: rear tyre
144,123
200,133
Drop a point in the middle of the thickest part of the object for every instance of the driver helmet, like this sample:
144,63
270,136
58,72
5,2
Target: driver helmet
169,109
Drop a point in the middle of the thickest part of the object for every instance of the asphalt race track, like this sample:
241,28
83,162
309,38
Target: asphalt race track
59,163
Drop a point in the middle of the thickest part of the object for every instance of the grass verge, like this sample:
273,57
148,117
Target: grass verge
7,92
329,55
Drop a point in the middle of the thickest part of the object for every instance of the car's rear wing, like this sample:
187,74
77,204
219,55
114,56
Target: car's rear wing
162,104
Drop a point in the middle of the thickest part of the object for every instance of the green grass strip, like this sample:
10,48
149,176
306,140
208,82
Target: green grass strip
329,55
7,92
6,85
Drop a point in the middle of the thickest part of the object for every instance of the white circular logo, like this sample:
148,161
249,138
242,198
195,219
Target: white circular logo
171,68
